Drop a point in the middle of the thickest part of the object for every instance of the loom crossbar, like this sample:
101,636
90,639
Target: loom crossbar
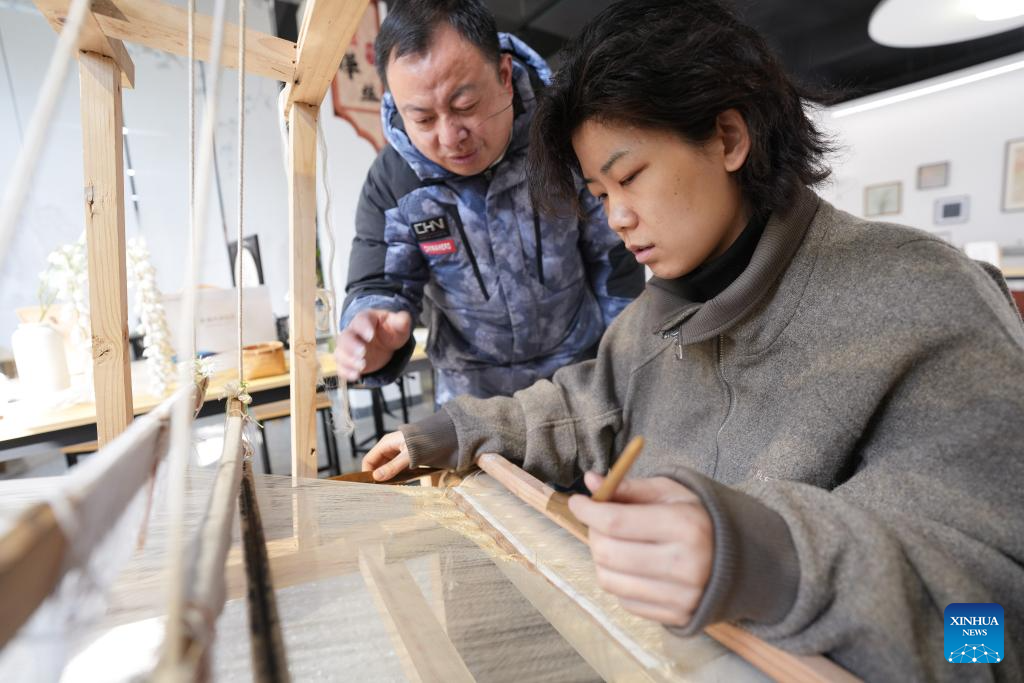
777,663
38,549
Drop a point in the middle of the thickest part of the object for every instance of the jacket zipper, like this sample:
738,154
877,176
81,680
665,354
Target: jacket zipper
674,333
540,253
472,259
728,410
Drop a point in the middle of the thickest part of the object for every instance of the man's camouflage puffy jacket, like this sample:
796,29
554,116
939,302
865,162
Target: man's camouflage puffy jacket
510,295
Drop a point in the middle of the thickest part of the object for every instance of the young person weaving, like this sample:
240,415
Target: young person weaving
832,406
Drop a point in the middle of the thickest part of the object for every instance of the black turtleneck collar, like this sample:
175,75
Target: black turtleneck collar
710,278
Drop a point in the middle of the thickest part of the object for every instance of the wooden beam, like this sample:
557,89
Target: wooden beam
426,652
92,38
775,662
327,30
104,228
34,549
162,26
31,559
539,496
302,253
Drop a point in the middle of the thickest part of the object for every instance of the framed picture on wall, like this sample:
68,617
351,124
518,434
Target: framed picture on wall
952,210
883,199
933,175
1013,178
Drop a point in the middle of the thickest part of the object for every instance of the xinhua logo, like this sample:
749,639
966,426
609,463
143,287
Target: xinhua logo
974,633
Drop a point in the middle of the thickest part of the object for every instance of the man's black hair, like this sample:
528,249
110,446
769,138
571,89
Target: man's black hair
674,65
410,25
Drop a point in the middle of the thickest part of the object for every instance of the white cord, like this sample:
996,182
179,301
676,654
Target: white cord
241,181
341,413
31,151
181,421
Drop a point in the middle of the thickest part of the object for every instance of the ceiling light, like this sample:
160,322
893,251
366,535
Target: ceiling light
908,23
840,112
994,10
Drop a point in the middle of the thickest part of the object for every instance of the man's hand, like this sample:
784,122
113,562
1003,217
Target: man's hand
369,341
388,457
652,546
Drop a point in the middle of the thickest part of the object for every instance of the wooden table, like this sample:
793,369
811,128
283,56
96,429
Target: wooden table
77,423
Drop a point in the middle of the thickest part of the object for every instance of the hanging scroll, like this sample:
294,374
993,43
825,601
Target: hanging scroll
356,89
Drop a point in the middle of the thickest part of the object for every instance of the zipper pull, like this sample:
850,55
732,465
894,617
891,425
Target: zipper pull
674,333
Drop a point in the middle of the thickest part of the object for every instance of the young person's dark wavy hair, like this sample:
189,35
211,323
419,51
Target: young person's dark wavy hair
410,24
674,65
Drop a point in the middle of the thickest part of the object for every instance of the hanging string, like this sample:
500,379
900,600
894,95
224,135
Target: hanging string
241,182
31,151
181,428
341,414
192,134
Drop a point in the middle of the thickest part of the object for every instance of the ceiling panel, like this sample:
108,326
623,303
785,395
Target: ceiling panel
823,43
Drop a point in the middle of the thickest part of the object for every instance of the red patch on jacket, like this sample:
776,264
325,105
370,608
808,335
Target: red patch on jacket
438,248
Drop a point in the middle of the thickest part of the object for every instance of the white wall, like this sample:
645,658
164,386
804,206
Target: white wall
968,126
156,115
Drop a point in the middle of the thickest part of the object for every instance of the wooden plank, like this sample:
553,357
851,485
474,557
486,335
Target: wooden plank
92,38
530,490
104,228
32,551
162,26
302,277
31,558
327,30
426,652
21,424
777,663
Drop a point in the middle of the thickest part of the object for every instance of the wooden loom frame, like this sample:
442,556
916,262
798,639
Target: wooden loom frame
307,68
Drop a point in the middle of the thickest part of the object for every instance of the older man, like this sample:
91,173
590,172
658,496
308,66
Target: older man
445,216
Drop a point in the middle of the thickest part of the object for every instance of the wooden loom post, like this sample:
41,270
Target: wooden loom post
302,250
103,155
327,28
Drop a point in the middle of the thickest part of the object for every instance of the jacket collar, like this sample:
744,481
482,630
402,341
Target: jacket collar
524,61
699,322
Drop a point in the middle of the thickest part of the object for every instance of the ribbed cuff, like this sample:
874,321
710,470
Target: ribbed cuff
432,441
755,572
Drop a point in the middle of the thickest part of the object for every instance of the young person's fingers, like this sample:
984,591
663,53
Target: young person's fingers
656,612
398,464
639,522
384,451
654,490
678,562
675,598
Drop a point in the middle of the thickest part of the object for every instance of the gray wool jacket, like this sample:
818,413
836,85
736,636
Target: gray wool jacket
851,412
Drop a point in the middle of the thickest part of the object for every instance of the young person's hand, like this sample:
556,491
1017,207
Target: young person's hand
388,457
369,341
652,546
